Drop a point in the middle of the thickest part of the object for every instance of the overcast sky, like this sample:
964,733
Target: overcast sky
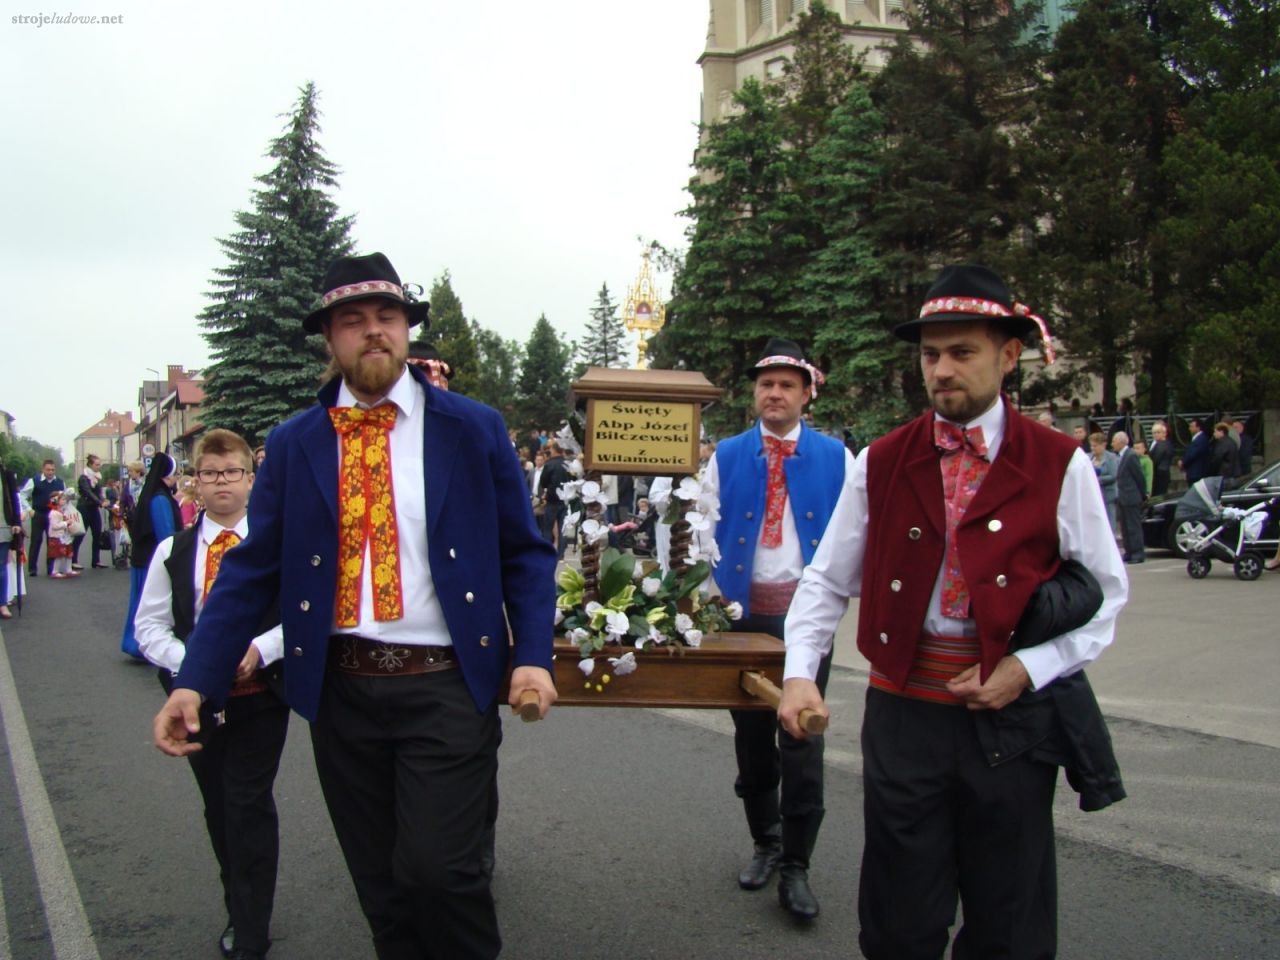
522,146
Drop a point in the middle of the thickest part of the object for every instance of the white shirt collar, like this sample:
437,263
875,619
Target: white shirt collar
404,393
210,528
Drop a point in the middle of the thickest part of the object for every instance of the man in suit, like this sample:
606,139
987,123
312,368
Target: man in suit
555,474
236,769
1195,459
946,528
777,484
1131,493
43,487
1245,444
1161,454
392,522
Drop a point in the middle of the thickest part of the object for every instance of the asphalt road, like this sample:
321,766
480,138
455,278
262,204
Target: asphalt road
619,835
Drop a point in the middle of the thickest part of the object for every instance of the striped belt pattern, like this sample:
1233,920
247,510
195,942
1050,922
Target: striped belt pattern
772,599
372,658
937,660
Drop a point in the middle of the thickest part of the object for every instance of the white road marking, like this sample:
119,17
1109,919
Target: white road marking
69,928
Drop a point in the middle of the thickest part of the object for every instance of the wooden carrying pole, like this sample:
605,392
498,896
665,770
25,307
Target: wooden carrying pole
528,708
758,685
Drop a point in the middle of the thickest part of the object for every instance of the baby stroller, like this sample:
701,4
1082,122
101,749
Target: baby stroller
1223,533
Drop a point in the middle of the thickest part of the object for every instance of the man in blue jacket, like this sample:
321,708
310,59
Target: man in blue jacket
1195,459
778,483
392,522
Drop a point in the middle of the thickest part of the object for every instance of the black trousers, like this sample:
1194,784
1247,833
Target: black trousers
1130,517
39,531
941,825
93,532
236,772
407,766
769,758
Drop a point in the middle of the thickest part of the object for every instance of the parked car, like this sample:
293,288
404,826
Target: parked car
1160,530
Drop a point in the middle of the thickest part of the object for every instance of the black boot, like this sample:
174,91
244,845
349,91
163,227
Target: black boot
799,834
764,861
794,892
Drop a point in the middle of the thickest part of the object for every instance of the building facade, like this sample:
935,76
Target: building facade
170,411
113,439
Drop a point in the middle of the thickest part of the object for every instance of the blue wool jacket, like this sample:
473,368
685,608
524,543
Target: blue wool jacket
815,475
491,567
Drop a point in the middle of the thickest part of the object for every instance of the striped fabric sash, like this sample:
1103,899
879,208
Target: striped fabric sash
938,659
772,599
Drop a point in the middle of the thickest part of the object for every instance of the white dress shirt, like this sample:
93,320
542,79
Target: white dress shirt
835,574
153,623
423,621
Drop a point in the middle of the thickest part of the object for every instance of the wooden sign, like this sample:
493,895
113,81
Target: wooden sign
643,421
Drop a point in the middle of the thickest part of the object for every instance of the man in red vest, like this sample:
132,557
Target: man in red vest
946,528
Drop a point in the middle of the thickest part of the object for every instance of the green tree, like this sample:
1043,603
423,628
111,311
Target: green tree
500,361
1221,232
837,287
544,378
954,92
604,342
747,244
1093,159
265,366
450,332
25,456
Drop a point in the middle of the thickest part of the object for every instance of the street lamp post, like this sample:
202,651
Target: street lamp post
155,420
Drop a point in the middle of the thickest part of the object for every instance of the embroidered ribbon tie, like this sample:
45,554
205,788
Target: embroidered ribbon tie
213,558
366,514
964,467
775,495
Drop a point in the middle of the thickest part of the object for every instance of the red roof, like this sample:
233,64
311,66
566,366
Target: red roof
190,392
112,425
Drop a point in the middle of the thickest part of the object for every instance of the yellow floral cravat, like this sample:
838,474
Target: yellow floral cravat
213,559
367,513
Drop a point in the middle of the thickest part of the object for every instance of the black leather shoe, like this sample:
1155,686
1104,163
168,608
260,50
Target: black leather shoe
247,955
763,862
227,942
794,893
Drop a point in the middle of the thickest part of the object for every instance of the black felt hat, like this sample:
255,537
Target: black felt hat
782,353
421,350
965,293
358,278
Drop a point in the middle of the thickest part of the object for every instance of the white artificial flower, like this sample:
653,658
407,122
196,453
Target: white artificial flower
624,664
698,521
587,665
659,496
684,622
592,607
641,641
637,572
617,624
656,636
590,491
578,634
734,610
559,616
574,467
650,586
689,489
594,531
568,491
693,638
569,525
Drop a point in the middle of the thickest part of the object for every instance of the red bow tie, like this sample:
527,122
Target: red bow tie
948,437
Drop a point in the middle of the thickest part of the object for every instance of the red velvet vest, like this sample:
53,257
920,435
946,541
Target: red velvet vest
1008,538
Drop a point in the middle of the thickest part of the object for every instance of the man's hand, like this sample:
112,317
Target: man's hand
536,679
799,694
1006,682
177,720
249,664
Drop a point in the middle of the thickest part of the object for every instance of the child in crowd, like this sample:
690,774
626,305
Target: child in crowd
60,537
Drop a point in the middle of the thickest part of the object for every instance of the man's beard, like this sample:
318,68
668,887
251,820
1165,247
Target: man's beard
375,375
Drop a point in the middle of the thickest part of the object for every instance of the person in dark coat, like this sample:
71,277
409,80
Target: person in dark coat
1195,459
1224,457
155,518
89,503
1245,443
1161,453
1131,493
43,487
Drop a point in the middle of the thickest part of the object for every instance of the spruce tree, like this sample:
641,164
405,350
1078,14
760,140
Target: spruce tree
954,92
1093,161
499,360
544,379
605,342
265,367
450,332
